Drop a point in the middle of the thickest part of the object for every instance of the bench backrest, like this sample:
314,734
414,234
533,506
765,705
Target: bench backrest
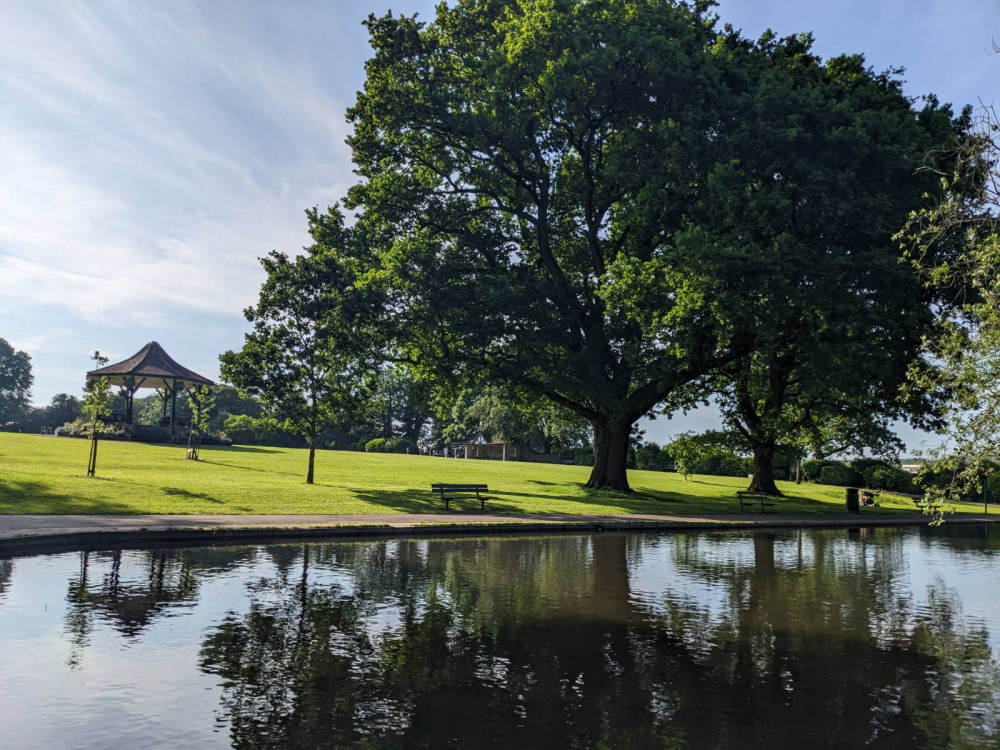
458,487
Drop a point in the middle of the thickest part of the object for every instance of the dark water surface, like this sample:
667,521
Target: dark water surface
774,640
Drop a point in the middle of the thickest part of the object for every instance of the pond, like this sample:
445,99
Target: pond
884,637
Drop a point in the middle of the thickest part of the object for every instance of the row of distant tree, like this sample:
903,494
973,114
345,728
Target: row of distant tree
398,411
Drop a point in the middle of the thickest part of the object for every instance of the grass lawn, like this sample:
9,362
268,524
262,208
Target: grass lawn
43,474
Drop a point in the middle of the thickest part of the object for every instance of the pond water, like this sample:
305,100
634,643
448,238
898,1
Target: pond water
884,637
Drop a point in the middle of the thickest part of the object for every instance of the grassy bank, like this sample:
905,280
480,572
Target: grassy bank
40,474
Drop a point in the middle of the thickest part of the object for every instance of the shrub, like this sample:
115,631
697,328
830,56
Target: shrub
885,477
391,445
861,465
246,430
722,465
376,445
839,475
81,429
583,457
993,487
811,469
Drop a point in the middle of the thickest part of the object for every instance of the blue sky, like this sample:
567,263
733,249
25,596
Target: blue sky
150,152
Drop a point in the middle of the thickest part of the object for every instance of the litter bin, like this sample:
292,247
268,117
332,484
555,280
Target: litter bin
853,506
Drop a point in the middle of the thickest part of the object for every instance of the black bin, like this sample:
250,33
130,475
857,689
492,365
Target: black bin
853,506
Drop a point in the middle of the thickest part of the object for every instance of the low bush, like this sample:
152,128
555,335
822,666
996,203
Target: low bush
882,476
391,445
723,465
78,428
811,469
583,457
839,475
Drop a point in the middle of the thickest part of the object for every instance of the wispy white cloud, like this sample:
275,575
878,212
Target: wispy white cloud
153,155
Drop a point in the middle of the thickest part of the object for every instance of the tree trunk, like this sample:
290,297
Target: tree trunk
610,457
92,461
763,470
312,461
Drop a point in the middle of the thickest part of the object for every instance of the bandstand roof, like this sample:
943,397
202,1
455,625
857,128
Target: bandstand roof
150,367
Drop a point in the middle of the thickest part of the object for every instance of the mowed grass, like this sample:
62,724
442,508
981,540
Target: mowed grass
42,474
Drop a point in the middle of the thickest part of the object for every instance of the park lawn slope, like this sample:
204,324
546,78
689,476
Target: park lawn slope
43,474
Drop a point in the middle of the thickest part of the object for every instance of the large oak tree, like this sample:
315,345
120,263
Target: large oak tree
590,200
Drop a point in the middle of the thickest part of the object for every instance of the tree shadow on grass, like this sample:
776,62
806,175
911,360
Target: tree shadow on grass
252,468
188,495
624,502
31,497
422,501
238,449
508,502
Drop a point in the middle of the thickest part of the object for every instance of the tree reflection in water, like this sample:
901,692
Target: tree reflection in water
6,571
543,642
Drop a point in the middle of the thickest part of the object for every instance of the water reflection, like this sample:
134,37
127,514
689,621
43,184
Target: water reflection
704,640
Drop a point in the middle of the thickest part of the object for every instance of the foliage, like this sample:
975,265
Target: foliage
840,475
81,428
886,477
201,402
97,398
722,464
811,469
509,414
391,445
840,318
307,357
652,456
552,238
244,429
96,406
706,453
956,244
15,382
399,404
557,196
62,409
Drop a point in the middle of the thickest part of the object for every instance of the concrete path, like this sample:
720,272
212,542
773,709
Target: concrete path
36,531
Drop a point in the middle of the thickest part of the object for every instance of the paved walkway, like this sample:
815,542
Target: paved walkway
27,531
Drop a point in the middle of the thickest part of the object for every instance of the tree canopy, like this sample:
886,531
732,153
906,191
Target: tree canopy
15,382
307,357
956,244
606,202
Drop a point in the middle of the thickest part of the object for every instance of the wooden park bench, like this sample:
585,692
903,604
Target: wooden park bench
449,492
749,499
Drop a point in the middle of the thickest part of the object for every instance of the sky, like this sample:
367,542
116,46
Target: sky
151,152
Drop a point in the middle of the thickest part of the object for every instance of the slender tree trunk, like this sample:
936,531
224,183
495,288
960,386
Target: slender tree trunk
92,461
312,459
610,457
763,469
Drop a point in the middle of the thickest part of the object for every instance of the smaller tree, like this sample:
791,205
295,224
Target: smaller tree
686,451
201,401
15,382
96,406
307,357
63,408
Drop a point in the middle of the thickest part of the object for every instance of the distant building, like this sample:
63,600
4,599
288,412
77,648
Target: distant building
912,467
482,446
